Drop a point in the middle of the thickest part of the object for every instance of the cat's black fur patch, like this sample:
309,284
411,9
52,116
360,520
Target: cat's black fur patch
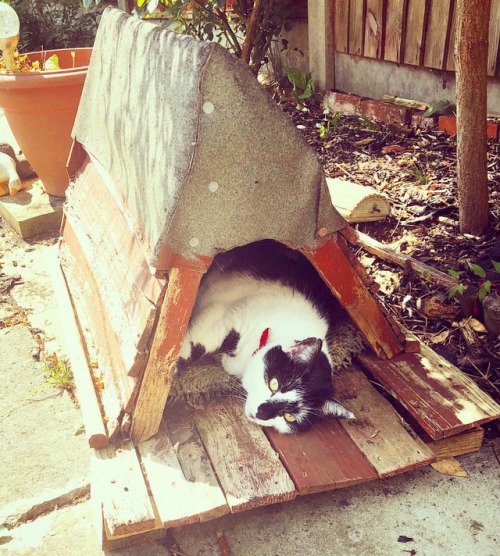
271,260
311,378
230,343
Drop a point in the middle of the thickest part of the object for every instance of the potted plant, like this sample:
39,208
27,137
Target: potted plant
40,103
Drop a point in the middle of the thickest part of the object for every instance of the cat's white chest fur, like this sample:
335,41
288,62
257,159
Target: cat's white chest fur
250,306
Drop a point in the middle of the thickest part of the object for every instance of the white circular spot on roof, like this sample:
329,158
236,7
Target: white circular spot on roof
208,107
194,242
213,186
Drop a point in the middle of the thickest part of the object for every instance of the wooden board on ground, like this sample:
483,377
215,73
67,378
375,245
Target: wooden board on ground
248,469
179,501
378,431
357,203
323,458
118,484
208,497
464,443
443,400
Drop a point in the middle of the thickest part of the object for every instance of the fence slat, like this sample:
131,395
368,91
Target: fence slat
373,29
414,32
434,56
341,26
494,37
394,30
356,27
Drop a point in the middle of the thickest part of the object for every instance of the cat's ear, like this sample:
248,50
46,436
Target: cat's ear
306,350
333,408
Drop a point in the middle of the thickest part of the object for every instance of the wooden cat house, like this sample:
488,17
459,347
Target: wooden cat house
179,154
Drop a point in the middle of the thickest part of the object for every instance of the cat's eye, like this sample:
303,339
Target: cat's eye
274,385
289,417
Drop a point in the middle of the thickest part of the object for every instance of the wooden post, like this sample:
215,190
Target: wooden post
471,54
183,283
321,49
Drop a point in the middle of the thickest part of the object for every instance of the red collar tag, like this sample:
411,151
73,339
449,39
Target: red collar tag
263,340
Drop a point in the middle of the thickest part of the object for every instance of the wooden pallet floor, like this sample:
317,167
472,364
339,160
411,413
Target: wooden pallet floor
212,461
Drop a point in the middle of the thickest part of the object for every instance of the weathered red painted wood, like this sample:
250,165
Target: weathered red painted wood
378,430
323,458
247,467
169,334
443,400
92,318
349,289
127,290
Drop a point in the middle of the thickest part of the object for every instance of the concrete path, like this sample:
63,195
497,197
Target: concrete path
44,466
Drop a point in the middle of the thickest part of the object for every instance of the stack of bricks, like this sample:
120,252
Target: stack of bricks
393,114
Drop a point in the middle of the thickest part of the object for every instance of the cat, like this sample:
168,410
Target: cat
266,312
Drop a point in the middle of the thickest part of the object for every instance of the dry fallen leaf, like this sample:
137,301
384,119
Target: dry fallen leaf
440,338
477,326
450,467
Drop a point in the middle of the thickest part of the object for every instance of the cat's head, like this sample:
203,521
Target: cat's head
289,388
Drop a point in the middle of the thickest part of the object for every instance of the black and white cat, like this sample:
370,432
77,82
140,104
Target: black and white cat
266,312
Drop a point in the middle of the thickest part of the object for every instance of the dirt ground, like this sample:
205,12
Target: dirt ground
416,171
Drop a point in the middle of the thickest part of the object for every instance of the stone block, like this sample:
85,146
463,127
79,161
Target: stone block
32,211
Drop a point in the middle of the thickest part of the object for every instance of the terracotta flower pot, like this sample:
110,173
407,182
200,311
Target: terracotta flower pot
41,108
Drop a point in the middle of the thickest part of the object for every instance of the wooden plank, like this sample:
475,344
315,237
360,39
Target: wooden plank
434,56
178,500
357,203
323,458
248,469
125,286
401,259
95,430
374,34
414,35
450,61
494,38
458,445
116,388
195,463
378,431
118,484
356,27
341,26
174,317
443,400
333,266
394,30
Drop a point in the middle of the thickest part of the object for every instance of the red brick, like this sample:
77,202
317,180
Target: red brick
448,124
344,103
492,130
385,112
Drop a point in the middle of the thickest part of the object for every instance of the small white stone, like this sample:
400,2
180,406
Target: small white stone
208,107
194,242
213,186
300,126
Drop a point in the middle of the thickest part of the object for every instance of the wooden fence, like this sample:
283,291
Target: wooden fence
415,32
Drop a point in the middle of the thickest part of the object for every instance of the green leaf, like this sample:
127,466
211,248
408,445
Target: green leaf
454,274
453,291
307,92
496,266
484,290
477,270
297,78
440,107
